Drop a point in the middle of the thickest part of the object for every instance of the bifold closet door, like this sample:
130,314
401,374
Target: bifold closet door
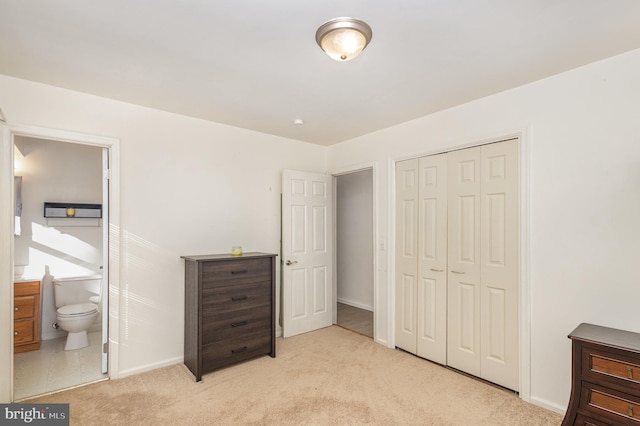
406,254
432,259
483,262
499,270
421,257
457,260
463,330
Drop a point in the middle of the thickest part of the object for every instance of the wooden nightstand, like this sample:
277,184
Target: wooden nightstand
605,388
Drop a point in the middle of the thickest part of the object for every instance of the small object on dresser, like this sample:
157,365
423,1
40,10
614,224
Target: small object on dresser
236,251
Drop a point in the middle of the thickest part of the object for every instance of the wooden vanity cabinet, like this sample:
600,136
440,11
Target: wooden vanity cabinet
229,310
26,316
605,388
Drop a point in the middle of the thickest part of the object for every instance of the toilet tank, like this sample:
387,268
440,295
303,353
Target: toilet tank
72,290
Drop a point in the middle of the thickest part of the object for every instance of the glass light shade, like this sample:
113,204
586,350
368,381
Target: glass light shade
343,38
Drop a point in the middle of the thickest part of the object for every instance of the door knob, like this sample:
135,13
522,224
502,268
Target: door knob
288,262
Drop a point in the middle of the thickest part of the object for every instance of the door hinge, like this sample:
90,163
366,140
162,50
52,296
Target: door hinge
106,174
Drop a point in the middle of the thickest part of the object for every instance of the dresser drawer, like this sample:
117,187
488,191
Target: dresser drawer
620,407
232,351
236,324
614,368
26,288
24,307
585,421
232,272
23,331
221,300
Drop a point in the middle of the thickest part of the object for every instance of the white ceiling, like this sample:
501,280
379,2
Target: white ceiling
255,63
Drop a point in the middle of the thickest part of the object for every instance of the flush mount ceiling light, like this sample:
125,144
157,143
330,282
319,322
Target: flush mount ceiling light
343,38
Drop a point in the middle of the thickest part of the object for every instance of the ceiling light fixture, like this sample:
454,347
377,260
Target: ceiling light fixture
343,38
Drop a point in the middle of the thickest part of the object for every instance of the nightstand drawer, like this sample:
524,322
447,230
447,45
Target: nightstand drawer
23,331
232,272
585,421
229,326
611,367
24,307
620,407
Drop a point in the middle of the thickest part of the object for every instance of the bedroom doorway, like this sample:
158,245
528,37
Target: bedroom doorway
354,245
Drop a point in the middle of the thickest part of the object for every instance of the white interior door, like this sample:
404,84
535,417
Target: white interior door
105,259
406,254
432,259
499,263
307,245
463,329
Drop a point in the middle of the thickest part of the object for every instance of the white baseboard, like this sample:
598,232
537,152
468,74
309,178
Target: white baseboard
149,367
355,304
552,406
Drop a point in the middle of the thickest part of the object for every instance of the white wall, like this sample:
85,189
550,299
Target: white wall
187,186
354,242
583,131
57,172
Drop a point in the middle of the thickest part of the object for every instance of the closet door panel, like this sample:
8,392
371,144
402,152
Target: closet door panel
500,263
463,302
407,176
432,259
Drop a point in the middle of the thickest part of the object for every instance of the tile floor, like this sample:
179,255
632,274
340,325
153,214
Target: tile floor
52,368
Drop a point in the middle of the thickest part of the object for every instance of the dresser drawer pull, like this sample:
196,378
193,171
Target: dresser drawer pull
239,324
239,298
16,309
239,350
630,372
15,333
242,271
630,410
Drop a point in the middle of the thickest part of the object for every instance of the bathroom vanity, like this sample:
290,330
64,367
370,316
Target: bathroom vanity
27,296
229,310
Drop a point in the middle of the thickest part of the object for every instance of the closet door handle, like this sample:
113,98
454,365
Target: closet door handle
437,270
457,272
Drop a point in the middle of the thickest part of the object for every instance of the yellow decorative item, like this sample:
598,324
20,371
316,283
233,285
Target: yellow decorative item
71,212
236,251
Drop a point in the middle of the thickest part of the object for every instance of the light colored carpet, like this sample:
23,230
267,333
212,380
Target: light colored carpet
328,377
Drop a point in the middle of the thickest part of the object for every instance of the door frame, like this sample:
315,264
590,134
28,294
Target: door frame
524,201
6,239
373,166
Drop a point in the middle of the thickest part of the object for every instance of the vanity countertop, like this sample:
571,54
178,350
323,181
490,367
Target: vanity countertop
25,278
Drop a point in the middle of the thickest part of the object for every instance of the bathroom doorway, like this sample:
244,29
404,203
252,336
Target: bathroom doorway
46,247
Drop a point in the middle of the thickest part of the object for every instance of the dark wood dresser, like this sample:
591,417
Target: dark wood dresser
605,387
229,310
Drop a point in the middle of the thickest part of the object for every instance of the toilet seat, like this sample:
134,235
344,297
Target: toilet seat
79,309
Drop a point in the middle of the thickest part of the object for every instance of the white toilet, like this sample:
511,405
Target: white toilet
77,300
